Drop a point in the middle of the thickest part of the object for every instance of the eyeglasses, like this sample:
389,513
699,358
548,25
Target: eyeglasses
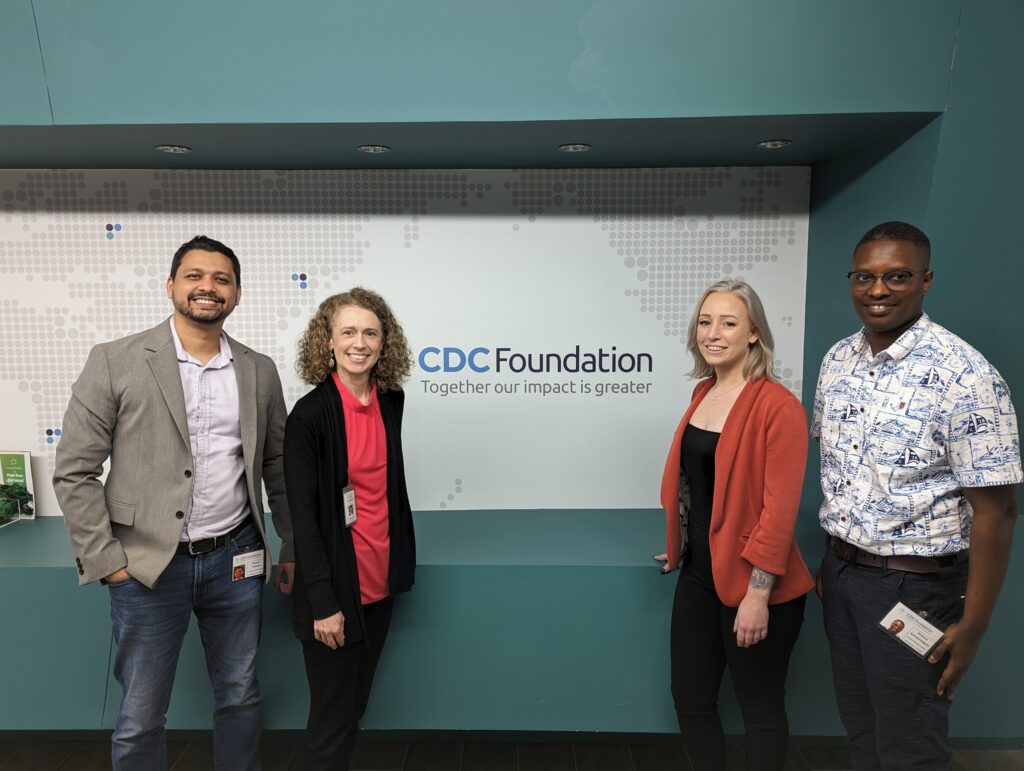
894,279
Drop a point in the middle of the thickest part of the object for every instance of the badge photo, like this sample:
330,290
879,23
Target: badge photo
910,629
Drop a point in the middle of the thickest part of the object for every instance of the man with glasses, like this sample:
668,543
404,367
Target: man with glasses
919,465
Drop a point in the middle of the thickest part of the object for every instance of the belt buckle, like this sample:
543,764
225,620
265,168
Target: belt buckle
195,552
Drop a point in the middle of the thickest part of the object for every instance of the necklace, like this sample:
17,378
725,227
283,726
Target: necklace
720,394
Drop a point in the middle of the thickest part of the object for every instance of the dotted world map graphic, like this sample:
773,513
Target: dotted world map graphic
84,255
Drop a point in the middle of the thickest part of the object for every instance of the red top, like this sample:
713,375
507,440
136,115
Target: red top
368,475
759,472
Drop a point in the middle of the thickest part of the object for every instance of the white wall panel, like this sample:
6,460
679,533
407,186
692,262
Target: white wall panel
536,262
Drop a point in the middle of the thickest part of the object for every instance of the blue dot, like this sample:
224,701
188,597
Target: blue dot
302,285
49,432
117,228
302,277
56,432
295,276
110,236
49,440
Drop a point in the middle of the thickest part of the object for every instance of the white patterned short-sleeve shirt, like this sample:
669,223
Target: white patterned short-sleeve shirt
902,433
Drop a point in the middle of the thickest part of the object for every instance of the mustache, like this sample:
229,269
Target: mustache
206,296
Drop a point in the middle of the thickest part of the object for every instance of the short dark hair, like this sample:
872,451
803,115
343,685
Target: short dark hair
206,244
899,231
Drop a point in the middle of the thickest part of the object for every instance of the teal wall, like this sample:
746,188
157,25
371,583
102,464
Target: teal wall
978,189
323,61
553,621
23,98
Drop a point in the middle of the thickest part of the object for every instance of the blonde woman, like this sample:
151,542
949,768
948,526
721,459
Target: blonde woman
354,543
731,490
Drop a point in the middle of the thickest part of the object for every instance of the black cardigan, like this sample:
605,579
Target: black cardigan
316,471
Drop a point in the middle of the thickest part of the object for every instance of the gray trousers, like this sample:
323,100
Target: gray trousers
885,692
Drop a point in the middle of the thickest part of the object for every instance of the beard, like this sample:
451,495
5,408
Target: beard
201,315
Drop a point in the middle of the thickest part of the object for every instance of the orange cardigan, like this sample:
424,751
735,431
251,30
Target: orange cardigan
759,470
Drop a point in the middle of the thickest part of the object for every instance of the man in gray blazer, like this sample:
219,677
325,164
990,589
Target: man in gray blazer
192,421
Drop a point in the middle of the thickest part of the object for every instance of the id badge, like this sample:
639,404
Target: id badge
910,629
248,564
349,501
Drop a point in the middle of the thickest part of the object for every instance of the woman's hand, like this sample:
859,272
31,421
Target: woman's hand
751,625
331,630
662,558
284,577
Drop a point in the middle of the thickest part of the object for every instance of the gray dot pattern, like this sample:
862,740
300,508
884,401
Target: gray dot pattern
456,491
36,368
675,231
58,229
96,247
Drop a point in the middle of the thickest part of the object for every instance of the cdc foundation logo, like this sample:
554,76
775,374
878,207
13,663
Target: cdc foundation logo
449,359
550,365
453,359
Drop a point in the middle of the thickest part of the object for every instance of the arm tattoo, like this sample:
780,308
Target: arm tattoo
761,580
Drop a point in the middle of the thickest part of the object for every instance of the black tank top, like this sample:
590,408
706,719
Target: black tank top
698,463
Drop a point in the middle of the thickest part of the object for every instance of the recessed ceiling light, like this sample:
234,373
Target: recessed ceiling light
175,149
374,149
774,144
574,147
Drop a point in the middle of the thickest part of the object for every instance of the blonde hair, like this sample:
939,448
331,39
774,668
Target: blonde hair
314,362
761,357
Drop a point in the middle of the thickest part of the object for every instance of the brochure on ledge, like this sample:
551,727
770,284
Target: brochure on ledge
16,493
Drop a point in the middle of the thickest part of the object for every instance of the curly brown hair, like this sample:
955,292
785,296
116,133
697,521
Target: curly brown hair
314,360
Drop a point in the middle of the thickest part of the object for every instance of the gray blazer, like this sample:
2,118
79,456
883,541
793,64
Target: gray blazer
128,405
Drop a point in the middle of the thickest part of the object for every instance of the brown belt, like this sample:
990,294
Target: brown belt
909,563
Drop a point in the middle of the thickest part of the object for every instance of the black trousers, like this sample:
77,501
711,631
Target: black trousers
703,643
885,692
339,690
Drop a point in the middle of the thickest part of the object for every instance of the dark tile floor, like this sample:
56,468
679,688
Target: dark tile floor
193,752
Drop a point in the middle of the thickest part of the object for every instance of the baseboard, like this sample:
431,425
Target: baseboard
518,737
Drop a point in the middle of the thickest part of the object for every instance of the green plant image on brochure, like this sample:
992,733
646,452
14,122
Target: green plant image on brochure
15,502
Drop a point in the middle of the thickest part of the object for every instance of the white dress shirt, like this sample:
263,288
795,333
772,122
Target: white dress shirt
219,499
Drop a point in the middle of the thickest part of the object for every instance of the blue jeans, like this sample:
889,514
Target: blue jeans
149,626
885,692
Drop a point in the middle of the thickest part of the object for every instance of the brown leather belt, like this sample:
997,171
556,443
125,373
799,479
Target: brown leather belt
908,563
204,545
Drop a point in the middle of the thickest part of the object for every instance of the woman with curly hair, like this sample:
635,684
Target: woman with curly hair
354,544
